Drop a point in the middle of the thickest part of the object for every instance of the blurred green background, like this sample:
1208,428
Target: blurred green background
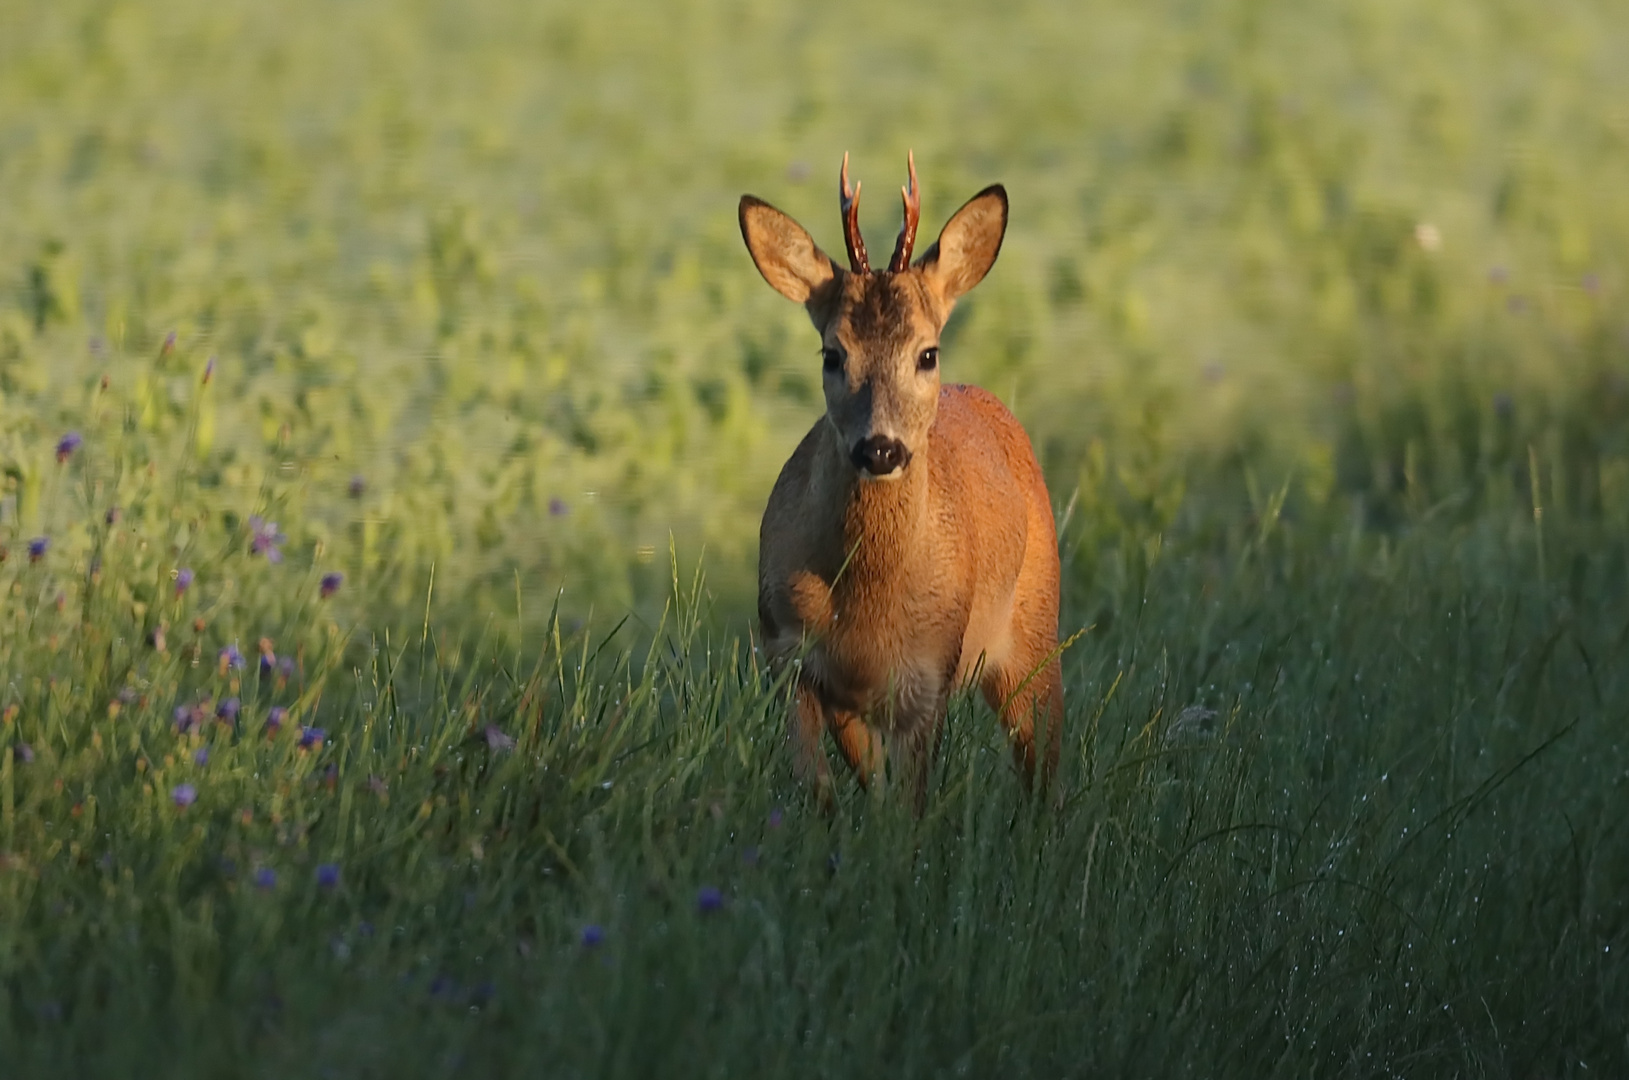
1361,256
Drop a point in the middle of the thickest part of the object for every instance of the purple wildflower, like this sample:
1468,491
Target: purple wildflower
557,507
201,756
328,875
285,666
275,718
357,486
265,879
265,539
231,657
228,710
709,900
183,580
183,718
23,753
184,795
113,515
775,818
592,937
331,583
496,740
311,737
67,445
37,548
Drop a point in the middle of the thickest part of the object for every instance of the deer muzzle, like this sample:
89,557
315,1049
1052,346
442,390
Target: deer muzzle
880,455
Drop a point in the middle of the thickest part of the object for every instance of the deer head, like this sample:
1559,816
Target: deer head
879,331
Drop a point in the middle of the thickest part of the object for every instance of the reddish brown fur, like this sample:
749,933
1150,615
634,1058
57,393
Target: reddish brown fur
894,591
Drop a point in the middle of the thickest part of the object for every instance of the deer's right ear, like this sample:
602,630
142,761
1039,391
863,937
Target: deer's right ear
785,255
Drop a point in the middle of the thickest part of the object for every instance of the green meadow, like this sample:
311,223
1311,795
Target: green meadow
387,405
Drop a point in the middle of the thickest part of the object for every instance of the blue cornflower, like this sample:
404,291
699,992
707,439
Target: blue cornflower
228,710
183,580
328,875
231,657
37,548
265,539
23,753
330,584
184,795
592,937
496,740
709,900
266,878
311,737
67,445
275,718
201,756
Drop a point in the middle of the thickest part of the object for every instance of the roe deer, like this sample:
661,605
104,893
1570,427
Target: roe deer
908,547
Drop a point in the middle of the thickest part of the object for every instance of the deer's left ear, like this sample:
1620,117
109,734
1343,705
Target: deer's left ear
968,246
784,252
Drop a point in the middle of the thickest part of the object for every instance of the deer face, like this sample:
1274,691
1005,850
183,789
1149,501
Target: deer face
879,332
880,359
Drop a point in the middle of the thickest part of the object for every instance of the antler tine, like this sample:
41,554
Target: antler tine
851,223
912,197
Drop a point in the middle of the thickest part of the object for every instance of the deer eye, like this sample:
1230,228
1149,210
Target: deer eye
831,360
928,360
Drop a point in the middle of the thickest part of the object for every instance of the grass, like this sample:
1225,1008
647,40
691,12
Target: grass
1315,316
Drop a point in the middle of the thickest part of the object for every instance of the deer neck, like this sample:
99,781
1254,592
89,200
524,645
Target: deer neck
881,524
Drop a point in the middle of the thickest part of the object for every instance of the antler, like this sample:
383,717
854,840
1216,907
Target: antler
912,197
851,223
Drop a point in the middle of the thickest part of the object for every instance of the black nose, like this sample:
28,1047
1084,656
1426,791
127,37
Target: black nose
880,455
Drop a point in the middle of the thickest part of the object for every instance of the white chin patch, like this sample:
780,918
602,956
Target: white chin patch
871,477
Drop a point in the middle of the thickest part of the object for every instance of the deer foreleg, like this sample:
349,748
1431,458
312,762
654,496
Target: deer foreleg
808,758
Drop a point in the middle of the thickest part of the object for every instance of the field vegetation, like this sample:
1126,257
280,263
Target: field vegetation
387,405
